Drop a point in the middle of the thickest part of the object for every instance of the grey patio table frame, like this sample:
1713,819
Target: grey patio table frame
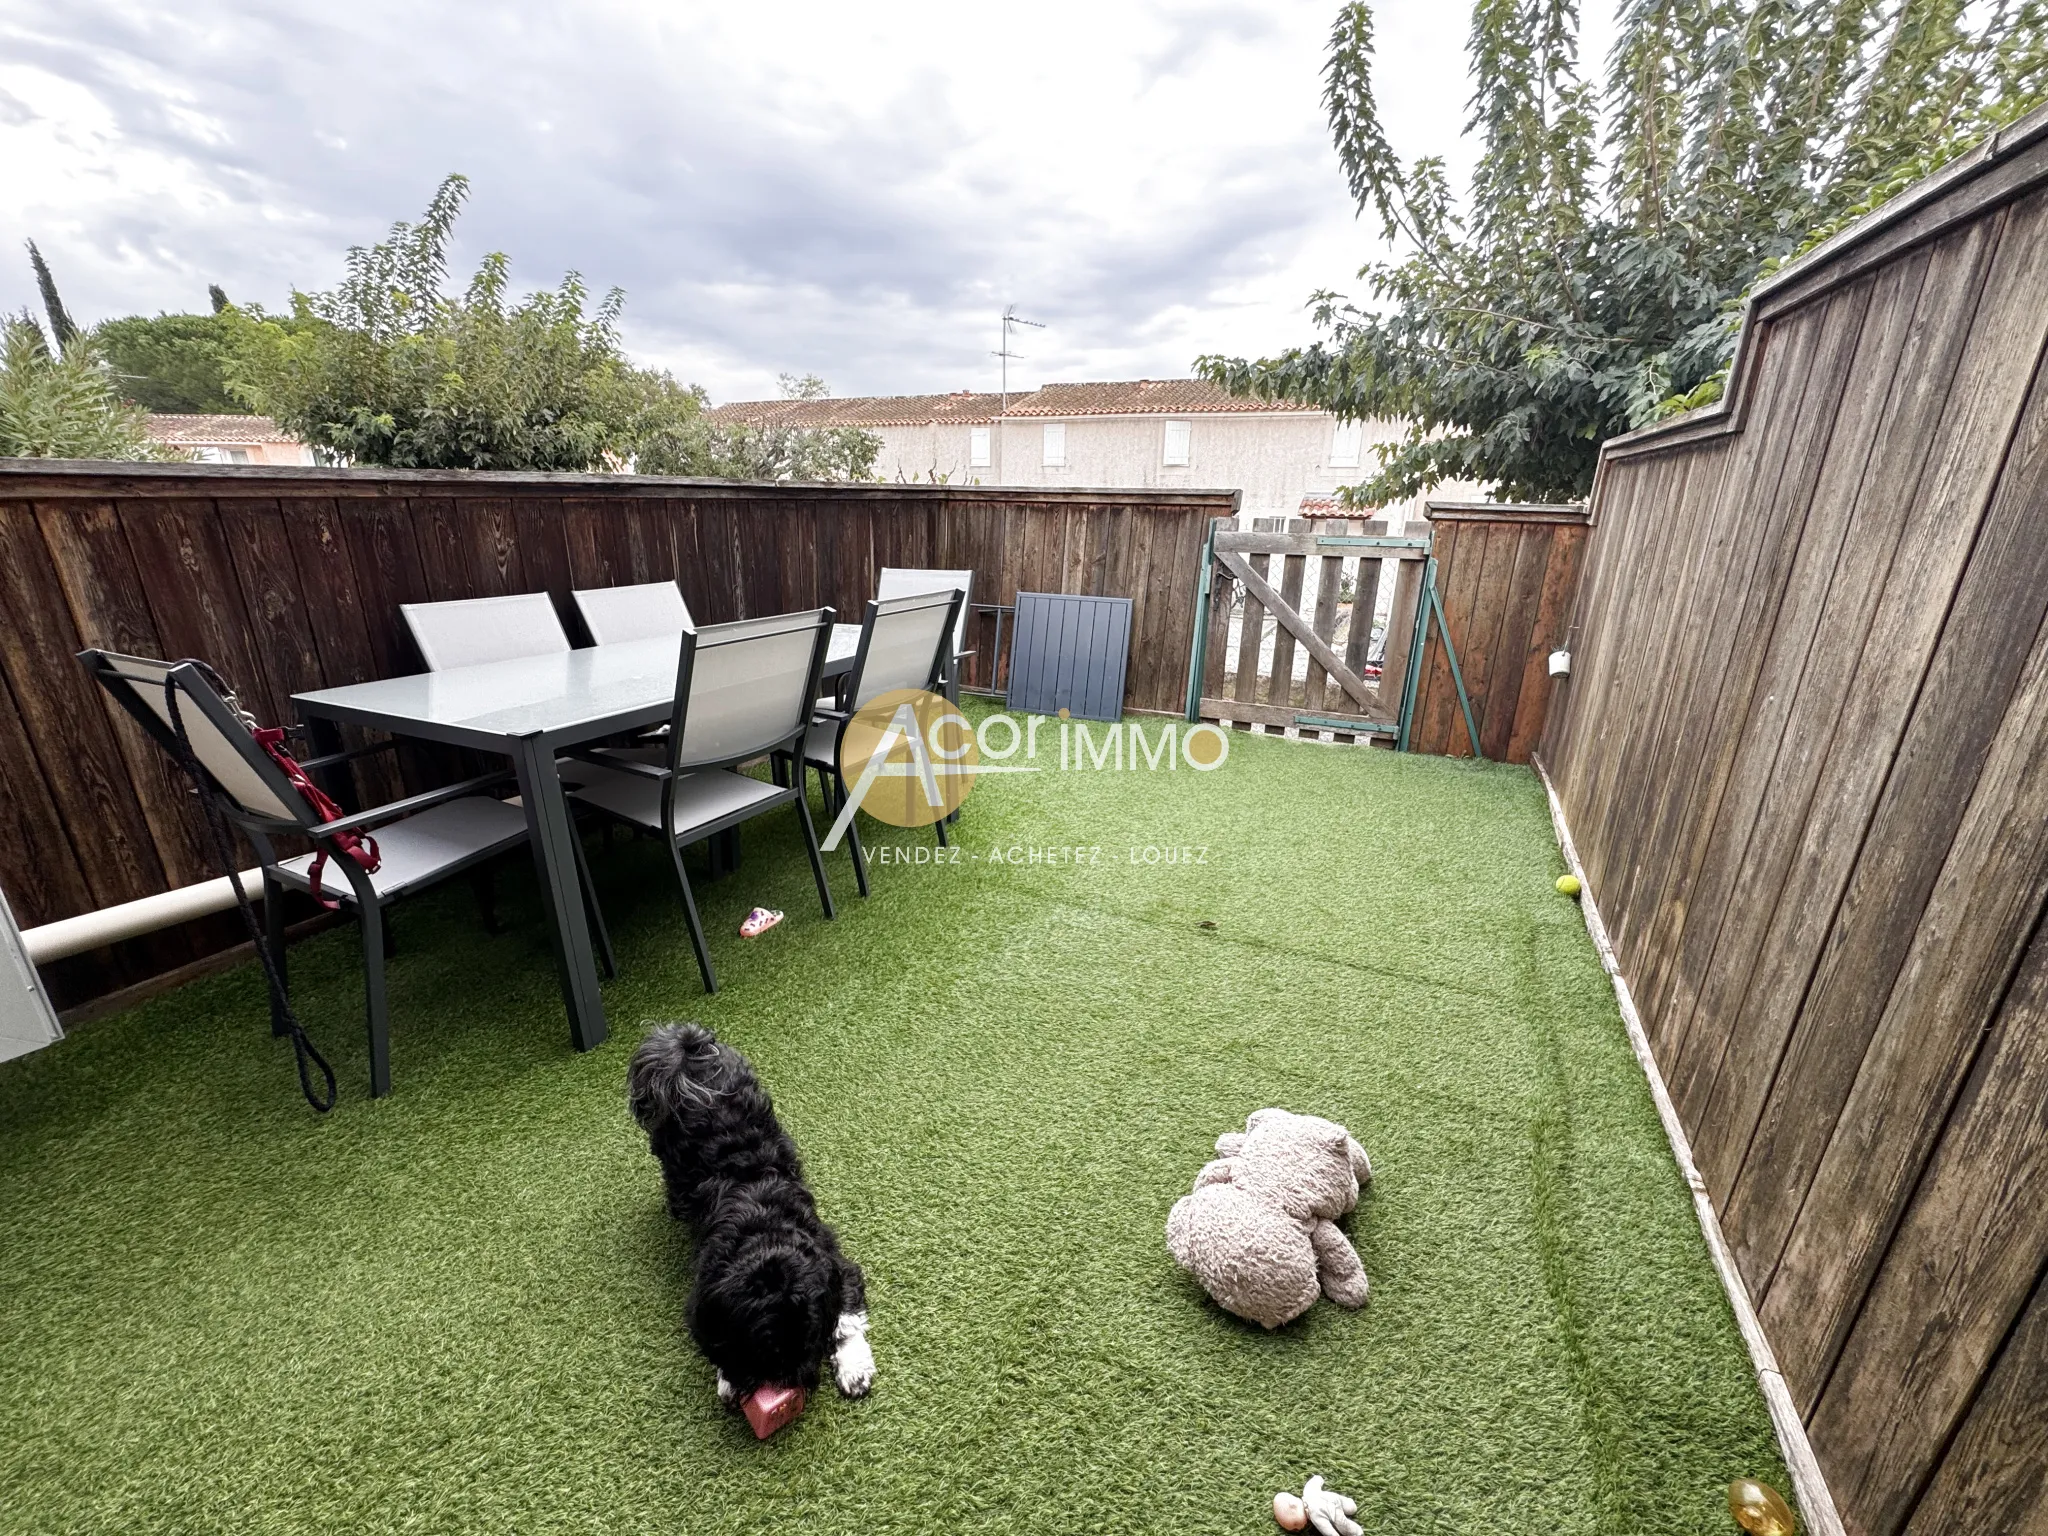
529,710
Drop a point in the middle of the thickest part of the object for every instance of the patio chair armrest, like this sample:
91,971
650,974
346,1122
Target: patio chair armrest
362,821
328,760
620,764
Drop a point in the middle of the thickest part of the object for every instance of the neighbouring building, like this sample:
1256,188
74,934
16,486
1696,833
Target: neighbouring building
229,439
1287,459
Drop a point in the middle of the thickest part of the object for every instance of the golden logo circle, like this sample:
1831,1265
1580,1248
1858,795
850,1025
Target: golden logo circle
908,757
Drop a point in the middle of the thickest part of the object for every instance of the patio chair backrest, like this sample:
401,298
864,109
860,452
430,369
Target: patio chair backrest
470,631
646,611
909,581
903,643
220,737
744,688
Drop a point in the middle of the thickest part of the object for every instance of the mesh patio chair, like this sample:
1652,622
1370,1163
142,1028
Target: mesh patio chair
421,840
743,691
904,642
470,631
909,581
645,611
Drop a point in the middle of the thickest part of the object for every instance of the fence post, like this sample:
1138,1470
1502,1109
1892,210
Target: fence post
1198,646
1417,639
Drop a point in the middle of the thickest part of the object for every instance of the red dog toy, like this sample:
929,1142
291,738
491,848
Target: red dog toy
769,1408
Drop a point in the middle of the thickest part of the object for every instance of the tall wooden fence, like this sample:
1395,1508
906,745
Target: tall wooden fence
1506,576
289,579
1804,754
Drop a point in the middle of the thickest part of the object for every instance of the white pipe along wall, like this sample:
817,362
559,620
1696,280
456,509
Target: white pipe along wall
132,919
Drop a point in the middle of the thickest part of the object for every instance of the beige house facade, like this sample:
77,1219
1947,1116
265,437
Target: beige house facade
1285,459
223,439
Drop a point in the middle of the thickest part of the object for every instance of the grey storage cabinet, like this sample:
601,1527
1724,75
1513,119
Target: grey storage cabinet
1070,652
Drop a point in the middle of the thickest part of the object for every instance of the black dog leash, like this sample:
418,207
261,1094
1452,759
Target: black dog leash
304,1051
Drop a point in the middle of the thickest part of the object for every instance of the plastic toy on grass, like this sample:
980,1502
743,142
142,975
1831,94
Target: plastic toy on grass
769,1408
759,921
1759,1508
1324,1508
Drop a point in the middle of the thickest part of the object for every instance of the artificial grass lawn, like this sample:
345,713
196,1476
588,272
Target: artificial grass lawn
459,1309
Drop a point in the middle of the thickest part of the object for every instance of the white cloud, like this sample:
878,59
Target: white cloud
851,190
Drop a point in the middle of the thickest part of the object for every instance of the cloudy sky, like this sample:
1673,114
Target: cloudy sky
854,190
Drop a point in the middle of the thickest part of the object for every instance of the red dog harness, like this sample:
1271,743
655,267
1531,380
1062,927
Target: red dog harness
359,846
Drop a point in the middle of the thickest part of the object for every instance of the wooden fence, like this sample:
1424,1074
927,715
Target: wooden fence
1506,575
1804,755
289,579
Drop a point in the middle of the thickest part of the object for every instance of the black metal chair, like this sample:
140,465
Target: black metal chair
905,642
743,691
422,840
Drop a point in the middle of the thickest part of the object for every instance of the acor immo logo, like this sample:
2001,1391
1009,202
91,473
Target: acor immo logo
910,757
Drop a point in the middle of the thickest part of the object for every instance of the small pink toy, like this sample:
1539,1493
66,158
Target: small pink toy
1324,1508
769,1408
759,921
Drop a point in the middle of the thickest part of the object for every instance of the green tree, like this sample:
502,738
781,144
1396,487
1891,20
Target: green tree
744,451
58,398
387,369
171,362
1591,279
61,326
64,404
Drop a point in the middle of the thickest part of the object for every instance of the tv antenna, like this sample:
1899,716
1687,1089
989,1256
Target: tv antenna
1011,319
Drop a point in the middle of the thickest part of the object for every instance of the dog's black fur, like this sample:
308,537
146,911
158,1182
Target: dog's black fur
771,1282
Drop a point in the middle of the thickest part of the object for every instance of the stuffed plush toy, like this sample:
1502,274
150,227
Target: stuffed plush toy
1259,1232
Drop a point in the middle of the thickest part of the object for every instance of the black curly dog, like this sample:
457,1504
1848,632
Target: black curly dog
773,1293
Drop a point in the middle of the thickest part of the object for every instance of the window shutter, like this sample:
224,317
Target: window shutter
977,447
1345,443
1055,444
1178,436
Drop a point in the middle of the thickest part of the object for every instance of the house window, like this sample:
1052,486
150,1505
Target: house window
1055,444
1345,443
977,447
1178,435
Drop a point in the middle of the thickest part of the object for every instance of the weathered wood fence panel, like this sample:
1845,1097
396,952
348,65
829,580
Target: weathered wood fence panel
289,579
1804,755
1310,621
1506,575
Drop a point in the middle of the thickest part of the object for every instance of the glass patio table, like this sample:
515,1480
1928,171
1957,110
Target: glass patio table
529,710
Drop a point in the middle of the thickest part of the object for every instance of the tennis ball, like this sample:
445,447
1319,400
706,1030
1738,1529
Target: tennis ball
1568,885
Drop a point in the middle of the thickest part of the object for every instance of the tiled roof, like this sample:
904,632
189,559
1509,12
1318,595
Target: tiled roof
205,431
870,411
1145,397
1134,397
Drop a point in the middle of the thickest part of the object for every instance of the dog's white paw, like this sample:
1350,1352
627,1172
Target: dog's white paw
853,1362
725,1392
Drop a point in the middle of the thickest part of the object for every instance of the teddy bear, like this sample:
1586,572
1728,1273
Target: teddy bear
1259,1231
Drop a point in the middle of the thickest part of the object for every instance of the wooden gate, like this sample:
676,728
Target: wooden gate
1307,626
